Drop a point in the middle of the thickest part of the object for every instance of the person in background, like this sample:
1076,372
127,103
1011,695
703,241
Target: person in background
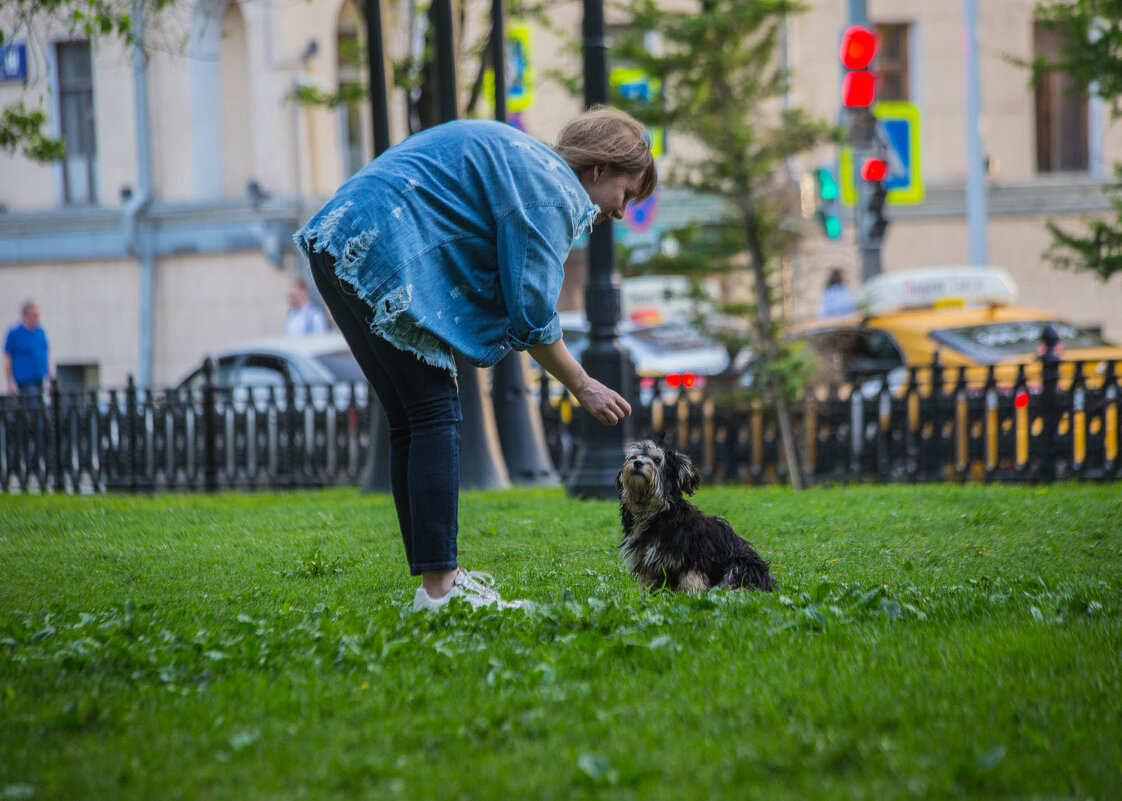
26,362
836,300
304,317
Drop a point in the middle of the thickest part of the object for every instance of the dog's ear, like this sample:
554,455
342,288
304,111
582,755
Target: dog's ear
685,473
619,482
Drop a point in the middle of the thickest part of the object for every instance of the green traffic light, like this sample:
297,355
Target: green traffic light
831,224
827,186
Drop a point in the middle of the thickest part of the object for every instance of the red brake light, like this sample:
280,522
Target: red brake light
687,380
1021,401
673,380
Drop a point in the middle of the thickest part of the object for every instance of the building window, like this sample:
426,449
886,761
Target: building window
76,120
891,64
78,376
1061,111
356,136
350,108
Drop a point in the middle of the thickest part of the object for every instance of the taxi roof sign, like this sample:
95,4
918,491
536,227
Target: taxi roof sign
937,287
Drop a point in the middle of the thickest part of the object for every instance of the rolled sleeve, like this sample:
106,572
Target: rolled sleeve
532,244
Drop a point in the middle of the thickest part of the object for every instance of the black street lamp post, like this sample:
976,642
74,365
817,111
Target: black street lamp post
520,425
377,475
599,447
498,58
376,75
481,456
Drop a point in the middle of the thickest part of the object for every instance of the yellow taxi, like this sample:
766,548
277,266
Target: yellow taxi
966,315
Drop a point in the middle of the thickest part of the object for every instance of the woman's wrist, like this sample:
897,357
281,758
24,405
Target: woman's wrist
580,383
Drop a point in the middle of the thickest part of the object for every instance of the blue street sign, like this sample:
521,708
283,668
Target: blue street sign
13,62
899,124
896,131
639,216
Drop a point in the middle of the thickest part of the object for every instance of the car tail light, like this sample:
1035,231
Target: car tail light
1021,400
686,380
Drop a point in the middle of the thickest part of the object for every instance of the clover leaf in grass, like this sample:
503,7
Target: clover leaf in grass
990,759
597,768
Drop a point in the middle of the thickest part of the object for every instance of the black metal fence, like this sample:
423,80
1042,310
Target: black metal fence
1056,420
216,437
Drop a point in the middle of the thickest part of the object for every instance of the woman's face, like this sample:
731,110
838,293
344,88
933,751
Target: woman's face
611,190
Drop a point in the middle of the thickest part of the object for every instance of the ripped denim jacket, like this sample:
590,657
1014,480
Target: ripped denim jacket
456,239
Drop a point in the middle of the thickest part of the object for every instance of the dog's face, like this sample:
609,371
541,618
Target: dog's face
654,474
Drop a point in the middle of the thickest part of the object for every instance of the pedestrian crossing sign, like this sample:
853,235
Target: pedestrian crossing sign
898,124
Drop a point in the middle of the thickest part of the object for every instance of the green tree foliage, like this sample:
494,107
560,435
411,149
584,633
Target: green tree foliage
1091,52
721,86
21,128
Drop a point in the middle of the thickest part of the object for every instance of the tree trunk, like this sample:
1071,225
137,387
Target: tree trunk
763,321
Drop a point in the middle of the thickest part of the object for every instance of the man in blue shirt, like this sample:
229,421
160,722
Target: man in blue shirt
25,353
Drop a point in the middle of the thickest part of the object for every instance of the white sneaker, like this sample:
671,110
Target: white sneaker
474,587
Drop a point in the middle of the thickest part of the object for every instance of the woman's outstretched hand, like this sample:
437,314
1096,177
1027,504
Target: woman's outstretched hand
603,403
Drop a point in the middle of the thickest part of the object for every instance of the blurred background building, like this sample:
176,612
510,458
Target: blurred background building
142,264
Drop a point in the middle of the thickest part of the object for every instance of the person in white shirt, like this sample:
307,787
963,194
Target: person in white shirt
837,300
304,317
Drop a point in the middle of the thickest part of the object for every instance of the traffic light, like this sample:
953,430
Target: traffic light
829,209
874,169
871,195
858,47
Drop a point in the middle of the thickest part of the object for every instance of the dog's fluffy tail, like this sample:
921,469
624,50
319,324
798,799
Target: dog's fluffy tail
750,570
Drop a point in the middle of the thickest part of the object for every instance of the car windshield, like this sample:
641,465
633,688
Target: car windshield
342,365
672,336
223,374
852,354
993,342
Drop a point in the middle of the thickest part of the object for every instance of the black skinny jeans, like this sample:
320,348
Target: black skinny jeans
422,405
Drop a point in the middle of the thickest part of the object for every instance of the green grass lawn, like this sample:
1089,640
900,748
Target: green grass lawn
926,642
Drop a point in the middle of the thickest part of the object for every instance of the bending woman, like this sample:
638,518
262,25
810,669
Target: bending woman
455,240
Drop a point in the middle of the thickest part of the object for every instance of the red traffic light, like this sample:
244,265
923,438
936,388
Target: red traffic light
874,169
858,89
858,47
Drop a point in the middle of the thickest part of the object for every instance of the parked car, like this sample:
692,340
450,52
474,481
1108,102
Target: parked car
965,314
252,369
669,355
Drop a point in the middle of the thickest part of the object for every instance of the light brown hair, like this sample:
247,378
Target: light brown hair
607,137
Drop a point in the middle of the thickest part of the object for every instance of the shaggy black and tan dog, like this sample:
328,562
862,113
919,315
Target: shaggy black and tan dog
669,542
